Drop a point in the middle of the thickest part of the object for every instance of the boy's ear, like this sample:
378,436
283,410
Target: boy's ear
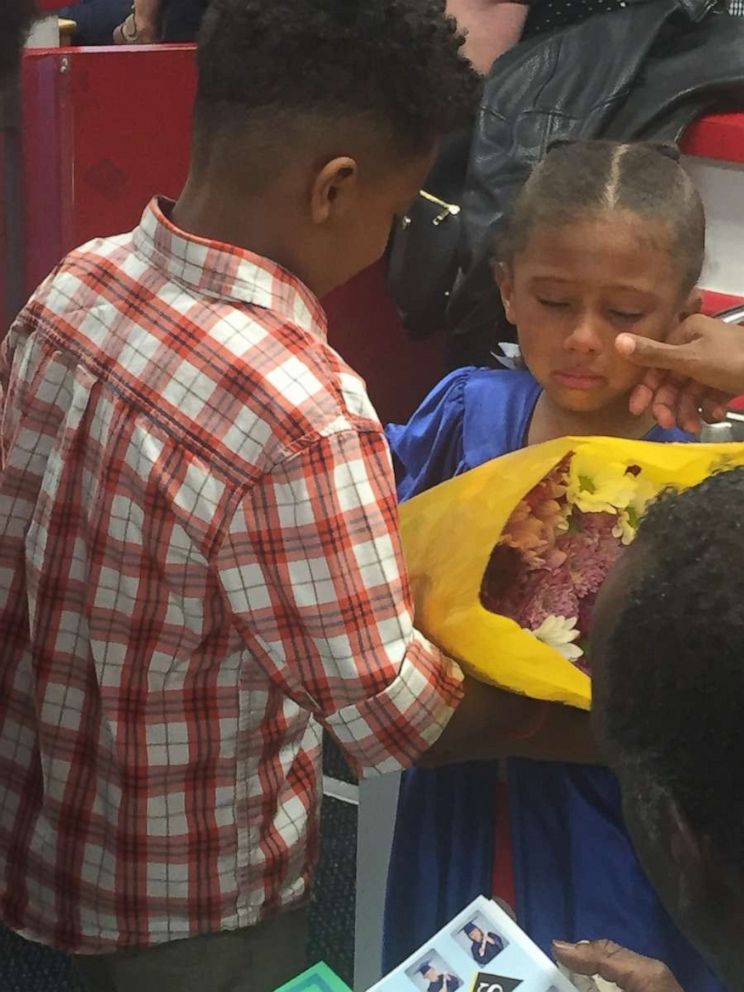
505,281
700,876
334,190
686,849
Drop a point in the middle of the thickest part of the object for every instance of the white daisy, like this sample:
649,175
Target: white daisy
560,633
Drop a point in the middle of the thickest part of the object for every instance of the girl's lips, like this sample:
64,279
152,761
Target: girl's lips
578,379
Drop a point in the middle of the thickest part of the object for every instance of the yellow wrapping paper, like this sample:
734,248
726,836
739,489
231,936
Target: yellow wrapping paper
450,531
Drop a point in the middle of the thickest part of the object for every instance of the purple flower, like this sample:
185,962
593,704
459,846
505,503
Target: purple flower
551,560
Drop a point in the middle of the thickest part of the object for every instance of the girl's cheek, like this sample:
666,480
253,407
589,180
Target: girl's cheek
656,330
626,372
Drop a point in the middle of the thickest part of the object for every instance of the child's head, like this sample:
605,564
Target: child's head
327,114
668,657
604,237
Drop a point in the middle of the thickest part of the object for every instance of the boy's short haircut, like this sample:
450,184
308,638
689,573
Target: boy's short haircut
396,63
670,692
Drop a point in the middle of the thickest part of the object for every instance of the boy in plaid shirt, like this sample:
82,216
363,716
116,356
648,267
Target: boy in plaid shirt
200,563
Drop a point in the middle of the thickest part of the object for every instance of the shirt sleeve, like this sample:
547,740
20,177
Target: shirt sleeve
429,448
313,571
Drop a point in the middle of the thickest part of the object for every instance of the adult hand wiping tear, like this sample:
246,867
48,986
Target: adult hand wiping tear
697,370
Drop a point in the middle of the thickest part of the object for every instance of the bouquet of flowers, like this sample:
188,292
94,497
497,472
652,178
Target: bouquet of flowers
559,545
507,560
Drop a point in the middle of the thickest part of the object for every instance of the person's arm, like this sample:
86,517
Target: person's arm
491,27
700,366
629,971
312,570
491,723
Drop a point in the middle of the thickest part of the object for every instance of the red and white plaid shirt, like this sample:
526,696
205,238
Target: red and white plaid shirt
199,567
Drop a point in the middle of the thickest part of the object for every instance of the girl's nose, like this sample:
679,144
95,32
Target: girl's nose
585,335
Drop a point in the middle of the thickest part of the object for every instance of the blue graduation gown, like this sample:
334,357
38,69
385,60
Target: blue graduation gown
576,874
490,951
452,984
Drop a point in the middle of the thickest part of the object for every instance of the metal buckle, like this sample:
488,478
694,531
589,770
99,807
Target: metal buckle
447,209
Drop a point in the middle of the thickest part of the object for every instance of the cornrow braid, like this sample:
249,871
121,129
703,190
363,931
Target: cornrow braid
592,177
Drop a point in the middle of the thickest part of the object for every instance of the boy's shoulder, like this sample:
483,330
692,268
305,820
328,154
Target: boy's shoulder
253,383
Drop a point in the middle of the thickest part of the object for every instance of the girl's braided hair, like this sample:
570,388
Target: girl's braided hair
583,178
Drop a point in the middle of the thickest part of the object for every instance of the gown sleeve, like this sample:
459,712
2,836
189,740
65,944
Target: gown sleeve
429,448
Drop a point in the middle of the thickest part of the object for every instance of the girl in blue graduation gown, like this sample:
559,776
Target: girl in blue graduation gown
604,238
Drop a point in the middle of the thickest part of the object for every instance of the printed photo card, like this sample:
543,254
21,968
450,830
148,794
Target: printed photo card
481,950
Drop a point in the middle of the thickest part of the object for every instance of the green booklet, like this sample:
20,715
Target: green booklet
319,978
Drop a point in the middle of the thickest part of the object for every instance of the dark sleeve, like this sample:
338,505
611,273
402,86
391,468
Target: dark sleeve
181,20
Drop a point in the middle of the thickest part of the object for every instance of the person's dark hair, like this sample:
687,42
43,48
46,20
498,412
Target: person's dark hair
18,16
397,63
591,177
670,694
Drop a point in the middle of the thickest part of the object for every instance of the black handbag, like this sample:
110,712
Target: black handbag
422,263
423,252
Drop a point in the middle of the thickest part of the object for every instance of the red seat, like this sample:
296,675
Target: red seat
105,128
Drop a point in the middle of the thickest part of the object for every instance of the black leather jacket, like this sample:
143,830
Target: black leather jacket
646,72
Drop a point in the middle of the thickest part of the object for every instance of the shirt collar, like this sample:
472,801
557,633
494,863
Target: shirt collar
212,268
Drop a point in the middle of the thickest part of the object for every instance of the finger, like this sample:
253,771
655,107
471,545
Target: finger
664,407
655,354
630,971
607,959
665,404
581,958
665,415
584,958
715,406
654,378
689,419
641,398
688,407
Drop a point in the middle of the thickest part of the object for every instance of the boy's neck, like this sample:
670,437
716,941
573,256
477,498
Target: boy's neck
253,224
550,421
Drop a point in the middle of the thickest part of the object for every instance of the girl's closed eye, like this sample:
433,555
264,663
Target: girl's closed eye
555,304
626,316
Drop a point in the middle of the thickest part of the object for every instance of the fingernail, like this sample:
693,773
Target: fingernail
562,945
625,344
